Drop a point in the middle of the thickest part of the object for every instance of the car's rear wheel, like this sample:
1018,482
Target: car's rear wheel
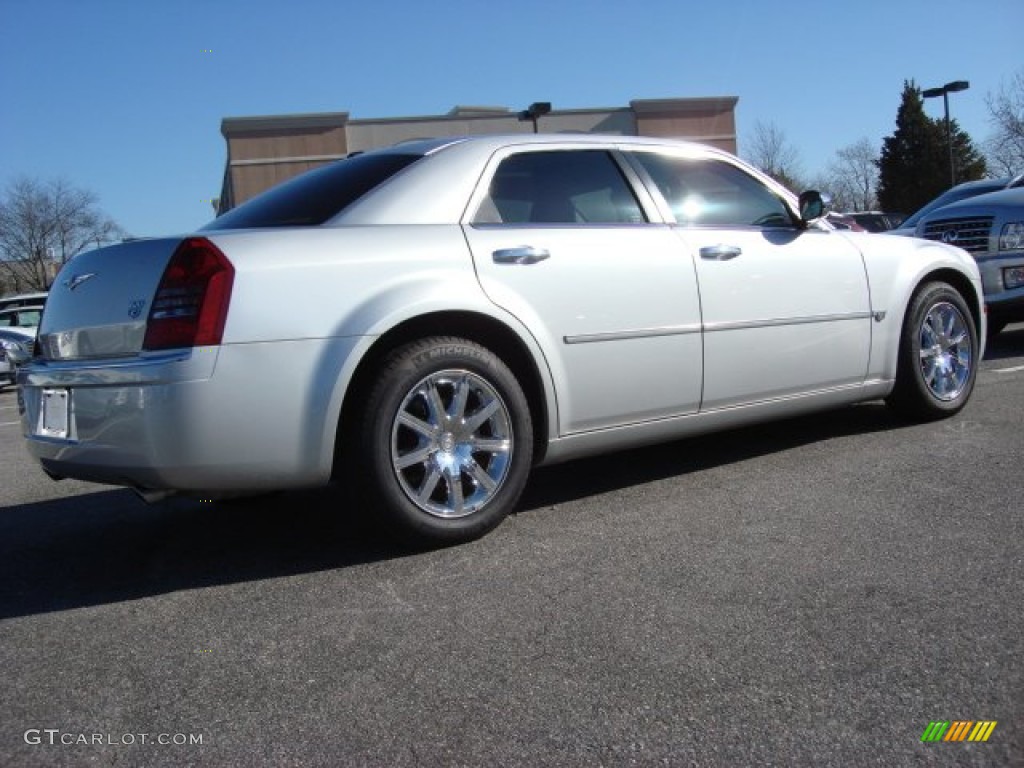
447,438
938,355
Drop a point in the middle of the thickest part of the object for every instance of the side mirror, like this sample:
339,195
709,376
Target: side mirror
813,205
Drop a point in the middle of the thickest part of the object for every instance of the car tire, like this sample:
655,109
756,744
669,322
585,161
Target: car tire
447,439
938,355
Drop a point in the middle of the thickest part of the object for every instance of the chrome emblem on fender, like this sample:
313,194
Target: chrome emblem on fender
77,280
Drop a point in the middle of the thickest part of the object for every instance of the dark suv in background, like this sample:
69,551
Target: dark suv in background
991,228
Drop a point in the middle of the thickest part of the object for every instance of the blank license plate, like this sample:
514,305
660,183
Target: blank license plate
55,412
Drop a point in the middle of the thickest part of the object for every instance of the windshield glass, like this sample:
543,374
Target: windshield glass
314,197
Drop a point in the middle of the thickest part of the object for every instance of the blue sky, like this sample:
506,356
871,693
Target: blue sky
125,98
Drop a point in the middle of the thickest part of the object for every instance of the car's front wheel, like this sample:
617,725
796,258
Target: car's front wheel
938,355
447,439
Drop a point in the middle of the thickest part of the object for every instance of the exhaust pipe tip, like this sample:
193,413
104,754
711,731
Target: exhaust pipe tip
154,497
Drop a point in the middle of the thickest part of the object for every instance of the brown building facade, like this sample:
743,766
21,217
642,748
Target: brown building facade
264,151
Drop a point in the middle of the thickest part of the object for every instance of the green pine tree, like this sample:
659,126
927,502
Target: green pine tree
914,164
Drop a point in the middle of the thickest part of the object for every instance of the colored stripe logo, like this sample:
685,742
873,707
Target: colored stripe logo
958,730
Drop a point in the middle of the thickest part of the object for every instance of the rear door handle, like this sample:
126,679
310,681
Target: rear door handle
523,254
720,252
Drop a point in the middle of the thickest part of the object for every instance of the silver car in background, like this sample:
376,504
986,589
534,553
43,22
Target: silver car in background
15,348
443,315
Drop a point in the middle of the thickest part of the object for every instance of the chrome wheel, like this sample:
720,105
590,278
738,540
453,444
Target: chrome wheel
947,353
937,364
451,443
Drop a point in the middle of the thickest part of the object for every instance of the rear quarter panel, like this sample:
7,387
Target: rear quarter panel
352,283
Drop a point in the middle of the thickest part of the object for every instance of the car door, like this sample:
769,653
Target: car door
786,309
560,239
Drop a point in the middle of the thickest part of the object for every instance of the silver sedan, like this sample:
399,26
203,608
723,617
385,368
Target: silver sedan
443,315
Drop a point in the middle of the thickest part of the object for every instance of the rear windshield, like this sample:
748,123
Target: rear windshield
314,197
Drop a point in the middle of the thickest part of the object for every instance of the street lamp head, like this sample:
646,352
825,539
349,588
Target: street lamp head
954,87
539,108
535,110
944,91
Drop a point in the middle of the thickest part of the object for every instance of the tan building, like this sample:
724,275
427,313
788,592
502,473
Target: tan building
264,151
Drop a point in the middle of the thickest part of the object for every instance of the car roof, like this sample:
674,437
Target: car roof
433,192
1000,183
495,141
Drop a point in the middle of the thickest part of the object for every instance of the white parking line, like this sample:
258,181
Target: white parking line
1009,370
8,423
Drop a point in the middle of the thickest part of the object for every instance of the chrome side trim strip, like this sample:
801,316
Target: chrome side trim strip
640,333
747,324
681,330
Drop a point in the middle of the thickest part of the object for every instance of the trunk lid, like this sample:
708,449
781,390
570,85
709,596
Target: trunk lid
100,300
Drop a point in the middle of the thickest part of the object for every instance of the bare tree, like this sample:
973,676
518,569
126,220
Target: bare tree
1004,150
772,153
852,178
43,225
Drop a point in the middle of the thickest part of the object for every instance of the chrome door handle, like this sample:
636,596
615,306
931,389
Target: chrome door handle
523,254
720,252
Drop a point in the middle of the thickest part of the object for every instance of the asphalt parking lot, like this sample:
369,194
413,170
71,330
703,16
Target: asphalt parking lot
810,593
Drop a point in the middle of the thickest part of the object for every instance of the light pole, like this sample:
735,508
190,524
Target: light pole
944,91
535,110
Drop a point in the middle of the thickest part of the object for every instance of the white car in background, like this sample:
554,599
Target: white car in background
21,317
445,314
37,299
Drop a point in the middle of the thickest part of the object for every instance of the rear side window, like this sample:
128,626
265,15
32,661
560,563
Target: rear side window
559,187
314,197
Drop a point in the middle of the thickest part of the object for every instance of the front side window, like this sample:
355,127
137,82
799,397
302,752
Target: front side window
559,187
713,193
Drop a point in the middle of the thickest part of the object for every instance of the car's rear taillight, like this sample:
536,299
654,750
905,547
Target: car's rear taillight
191,302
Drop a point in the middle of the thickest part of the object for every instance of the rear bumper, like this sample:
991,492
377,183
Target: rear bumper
230,418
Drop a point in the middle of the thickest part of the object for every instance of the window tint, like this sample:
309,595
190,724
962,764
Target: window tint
316,196
559,187
713,193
